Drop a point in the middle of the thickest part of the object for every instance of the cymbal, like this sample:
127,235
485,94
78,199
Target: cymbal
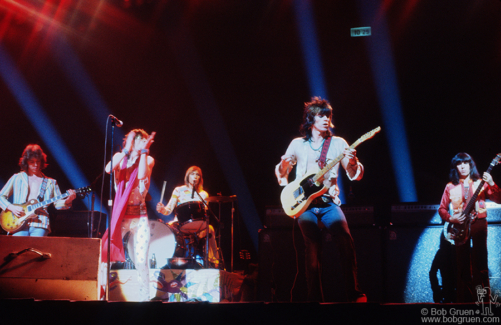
221,198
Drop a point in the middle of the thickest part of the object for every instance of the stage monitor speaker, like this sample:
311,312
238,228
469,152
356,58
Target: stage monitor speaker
49,267
67,223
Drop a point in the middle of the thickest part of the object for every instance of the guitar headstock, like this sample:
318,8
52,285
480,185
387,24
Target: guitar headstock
496,159
370,134
83,190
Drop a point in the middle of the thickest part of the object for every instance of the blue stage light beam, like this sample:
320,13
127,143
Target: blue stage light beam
312,58
215,128
383,69
310,48
75,72
40,121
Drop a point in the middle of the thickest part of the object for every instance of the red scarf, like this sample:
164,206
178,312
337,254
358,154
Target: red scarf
121,198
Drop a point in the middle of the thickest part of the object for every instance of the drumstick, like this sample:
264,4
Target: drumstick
163,192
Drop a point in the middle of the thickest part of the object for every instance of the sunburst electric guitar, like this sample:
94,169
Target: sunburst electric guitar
297,196
11,223
459,233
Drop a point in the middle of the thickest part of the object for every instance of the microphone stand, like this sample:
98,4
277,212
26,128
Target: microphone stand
93,199
206,257
91,223
110,204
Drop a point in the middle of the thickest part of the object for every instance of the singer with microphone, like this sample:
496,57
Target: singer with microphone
191,191
132,169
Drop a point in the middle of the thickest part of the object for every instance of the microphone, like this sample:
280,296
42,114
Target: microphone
193,191
118,123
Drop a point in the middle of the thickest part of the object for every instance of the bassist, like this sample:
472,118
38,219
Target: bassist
323,214
472,268
29,184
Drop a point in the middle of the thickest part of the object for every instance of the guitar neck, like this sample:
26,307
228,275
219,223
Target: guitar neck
35,206
328,167
473,199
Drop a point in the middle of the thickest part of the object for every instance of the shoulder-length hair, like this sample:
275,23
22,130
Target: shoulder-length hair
32,151
317,106
190,170
459,158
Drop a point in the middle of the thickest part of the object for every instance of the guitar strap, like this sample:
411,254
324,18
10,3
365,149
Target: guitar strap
42,190
323,155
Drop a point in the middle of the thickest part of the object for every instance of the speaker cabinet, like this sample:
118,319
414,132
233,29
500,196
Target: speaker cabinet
420,264
67,223
49,267
282,262
281,265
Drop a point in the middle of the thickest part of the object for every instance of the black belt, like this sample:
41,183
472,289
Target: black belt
321,200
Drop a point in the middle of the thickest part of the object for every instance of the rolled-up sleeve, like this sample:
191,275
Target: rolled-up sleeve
283,178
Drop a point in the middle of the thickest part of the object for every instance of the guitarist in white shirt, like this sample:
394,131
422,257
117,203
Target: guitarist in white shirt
324,213
27,185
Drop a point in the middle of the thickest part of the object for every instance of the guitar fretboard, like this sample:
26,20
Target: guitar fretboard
47,202
473,199
324,170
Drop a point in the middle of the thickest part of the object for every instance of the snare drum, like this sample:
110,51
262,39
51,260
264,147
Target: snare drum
191,216
162,243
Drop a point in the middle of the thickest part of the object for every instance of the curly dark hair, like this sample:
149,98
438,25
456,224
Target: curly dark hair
32,151
190,170
459,158
317,106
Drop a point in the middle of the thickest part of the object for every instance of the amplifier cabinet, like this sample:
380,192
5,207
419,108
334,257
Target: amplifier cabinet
49,267
68,223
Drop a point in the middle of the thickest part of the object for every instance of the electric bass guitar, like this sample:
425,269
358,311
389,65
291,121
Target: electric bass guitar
459,233
11,223
297,196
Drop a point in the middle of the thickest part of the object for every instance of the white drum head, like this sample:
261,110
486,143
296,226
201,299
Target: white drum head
162,243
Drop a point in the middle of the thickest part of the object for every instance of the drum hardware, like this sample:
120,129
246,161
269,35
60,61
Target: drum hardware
221,199
224,199
201,219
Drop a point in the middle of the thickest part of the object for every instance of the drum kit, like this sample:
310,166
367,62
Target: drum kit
179,245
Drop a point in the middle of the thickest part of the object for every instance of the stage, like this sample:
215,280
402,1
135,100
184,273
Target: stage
22,311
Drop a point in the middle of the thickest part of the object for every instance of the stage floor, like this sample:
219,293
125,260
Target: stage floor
22,311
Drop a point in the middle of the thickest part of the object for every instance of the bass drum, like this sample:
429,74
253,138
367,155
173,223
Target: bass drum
162,243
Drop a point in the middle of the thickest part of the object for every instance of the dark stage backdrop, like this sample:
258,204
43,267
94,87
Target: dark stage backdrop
223,82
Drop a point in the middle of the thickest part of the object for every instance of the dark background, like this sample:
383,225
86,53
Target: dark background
145,58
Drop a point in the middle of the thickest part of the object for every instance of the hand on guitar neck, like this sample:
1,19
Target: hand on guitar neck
13,218
459,217
19,210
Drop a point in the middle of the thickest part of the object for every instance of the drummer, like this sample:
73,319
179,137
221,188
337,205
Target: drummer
185,193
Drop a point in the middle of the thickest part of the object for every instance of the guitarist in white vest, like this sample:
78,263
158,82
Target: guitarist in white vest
472,268
29,184
324,212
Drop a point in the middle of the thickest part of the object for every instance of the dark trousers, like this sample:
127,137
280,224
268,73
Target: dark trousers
327,217
472,268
